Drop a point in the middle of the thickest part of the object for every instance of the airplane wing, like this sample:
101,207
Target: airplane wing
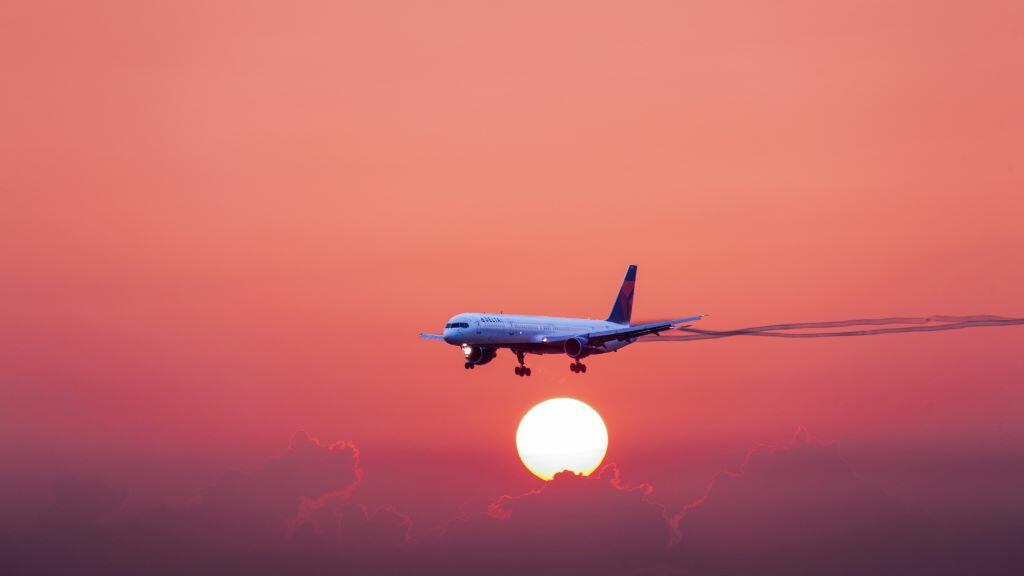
431,336
630,332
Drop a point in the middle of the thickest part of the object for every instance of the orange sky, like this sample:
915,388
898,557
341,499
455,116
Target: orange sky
224,223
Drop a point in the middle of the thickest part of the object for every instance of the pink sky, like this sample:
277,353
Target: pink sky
225,223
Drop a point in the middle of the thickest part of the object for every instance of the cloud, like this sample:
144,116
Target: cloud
572,522
270,498
342,535
792,509
798,508
82,520
83,501
282,515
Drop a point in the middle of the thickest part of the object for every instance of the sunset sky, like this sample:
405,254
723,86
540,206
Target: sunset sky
223,224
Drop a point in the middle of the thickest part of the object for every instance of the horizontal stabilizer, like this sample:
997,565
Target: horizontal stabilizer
636,331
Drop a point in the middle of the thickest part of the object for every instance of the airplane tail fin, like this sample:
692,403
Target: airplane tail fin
623,308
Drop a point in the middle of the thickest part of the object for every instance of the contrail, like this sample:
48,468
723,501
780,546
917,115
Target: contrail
926,324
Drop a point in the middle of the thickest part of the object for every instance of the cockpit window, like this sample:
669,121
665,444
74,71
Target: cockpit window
457,325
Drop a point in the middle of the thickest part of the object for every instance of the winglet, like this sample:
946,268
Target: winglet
622,310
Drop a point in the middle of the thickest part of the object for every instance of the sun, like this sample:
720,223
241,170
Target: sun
561,434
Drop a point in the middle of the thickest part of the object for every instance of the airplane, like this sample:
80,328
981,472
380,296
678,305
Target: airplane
481,335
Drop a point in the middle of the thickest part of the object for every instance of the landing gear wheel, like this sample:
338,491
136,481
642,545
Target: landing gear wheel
573,367
583,368
469,366
522,370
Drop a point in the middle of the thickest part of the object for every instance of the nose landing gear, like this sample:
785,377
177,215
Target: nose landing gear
578,367
469,366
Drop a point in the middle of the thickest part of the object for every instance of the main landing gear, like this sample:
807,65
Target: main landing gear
522,370
469,366
578,367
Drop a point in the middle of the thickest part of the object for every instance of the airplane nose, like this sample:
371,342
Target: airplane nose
449,337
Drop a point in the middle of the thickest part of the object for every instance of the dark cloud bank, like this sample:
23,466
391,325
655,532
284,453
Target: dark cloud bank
793,509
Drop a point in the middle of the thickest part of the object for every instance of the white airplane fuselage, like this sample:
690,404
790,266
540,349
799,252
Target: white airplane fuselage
481,335
536,334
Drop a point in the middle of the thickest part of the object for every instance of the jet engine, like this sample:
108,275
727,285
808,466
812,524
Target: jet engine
479,354
576,347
